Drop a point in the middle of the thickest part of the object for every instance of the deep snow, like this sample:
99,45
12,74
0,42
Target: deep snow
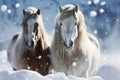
109,70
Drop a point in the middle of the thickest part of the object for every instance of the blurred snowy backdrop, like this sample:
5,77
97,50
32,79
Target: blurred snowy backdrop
102,18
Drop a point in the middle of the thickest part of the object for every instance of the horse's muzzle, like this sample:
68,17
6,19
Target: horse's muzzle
30,45
68,44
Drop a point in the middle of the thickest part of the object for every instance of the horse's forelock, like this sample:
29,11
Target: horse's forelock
67,13
27,17
77,15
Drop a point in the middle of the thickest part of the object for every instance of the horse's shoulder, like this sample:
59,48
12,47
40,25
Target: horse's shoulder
93,39
15,37
10,47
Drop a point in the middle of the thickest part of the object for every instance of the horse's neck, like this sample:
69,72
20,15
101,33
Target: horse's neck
82,36
43,34
41,44
20,45
42,41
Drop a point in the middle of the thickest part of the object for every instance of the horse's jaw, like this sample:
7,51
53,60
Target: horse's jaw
69,50
30,48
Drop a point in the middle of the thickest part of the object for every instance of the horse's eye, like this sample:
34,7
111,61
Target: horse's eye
25,28
61,24
75,23
35,26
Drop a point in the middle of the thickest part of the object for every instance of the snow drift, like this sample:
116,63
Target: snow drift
6,73
105,72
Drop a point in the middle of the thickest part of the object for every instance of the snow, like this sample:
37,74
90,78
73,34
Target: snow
109,70
6,73
93,13
103,3
95,32
102,10
95,1
74,64
3,8
89,2
9,11
28,67
17,5
39,57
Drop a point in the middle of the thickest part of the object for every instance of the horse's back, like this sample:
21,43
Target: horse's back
11,45
94,40
96,54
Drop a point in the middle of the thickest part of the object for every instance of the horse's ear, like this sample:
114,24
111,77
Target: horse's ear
60,9
38,11
76,8
24,12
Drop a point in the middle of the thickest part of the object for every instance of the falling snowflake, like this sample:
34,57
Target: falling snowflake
117,19
89,2
39,57
47,18
106,20
17,5
103,3
28,67
102,10
93,13
41,65
104,59
46,63
106,33
9,11
3,8
74,64
95,1
95,32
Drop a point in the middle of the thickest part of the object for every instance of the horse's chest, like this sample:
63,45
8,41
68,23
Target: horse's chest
70,64
37,61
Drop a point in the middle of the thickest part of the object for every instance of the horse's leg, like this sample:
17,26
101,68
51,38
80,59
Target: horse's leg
51,69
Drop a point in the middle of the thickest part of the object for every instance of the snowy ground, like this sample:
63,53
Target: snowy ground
109,70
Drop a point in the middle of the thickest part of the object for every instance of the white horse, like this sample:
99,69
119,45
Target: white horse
74,50
30,48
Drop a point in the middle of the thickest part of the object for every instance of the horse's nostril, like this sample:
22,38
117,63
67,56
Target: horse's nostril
68,45
71,43
32,43
65,44
26,43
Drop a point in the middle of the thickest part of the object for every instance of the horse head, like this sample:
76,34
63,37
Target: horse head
31,17
68,22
